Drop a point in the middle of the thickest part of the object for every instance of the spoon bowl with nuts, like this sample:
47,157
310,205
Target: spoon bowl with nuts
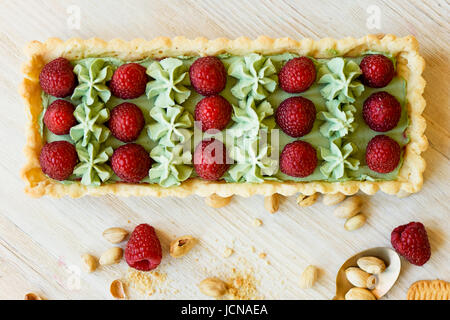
380,265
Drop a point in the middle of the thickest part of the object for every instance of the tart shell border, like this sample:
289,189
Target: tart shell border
410,66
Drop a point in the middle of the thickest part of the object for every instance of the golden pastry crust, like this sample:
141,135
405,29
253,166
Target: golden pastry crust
429,290
409,65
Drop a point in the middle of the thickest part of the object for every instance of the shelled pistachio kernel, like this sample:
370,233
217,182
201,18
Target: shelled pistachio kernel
331,199
309,277
371,265
117,289
216,201
213,287
359,294
355,222
306,201
111,256
115,235
348,208
359,278
89,262
181,246
32,296
272,202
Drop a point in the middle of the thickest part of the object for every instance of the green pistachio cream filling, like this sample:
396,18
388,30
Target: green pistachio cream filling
252,138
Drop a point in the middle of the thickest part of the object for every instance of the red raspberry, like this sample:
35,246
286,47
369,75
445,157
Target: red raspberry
411,241
377,70
208,76
213,113
298,159
58,159
381,111
296,116
129,81
57,78
131,162
59,117
210,159
382,154
143,251
297,75
126,122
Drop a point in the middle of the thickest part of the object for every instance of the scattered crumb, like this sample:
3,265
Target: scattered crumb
257,223
242,286
228,252
263,255
252,248
146,283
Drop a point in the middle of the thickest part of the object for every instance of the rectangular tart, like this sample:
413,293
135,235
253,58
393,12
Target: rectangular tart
409,67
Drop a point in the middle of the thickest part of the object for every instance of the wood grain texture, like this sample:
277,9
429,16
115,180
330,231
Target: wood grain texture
41,241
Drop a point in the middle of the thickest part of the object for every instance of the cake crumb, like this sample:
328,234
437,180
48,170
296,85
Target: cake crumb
257,222
263,255
242,286
228,252
146,283
252,248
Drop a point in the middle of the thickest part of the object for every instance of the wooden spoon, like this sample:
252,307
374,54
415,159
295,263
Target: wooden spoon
385,280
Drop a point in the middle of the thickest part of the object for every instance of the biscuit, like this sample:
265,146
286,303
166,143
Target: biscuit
429,290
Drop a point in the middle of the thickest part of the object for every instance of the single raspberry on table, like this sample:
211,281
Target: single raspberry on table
381,111
129,81
131,163
382,154
59,117
297,75
58,159
208,76
411,241
210,159
143,251
126,122
377,70
57,78
296,116
298,159
213,112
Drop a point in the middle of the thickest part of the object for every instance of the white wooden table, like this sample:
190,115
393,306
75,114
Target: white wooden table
41,240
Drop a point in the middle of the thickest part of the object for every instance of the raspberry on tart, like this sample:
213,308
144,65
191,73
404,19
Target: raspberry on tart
143,251
297,75
129,81
58,159
126,122
298,159
131,163
382,154
377,70
411,241
296,116
381,111
213,112
57,78
210,159
59,117
208,76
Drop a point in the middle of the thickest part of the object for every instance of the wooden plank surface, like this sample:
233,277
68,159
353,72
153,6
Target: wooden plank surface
41,240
